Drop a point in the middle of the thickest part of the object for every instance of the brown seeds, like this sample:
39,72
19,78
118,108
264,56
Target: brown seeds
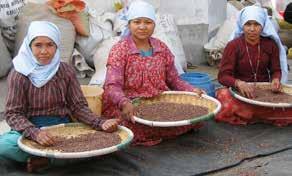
83,142
165,111
266,95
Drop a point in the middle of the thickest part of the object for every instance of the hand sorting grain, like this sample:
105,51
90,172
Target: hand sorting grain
83,142
267,95
165,111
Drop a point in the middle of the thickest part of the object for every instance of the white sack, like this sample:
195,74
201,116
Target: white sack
9,10
166,30
101,27
100,60
5,59
80,65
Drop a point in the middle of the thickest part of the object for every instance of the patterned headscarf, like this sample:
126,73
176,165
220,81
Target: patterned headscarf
27,64
260,15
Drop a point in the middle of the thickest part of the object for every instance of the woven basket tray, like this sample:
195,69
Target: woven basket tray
265,85
182,97
71,130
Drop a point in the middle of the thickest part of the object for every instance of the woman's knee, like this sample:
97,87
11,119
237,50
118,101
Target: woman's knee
9,148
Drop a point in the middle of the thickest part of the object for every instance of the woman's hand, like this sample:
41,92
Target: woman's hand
128,112
276,85
110,125
199,91
245,89
45,138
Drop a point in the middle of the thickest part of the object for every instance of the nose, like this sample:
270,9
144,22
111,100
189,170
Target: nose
252,27
142,26
44,50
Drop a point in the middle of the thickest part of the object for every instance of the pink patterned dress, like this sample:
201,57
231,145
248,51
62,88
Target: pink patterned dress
130,76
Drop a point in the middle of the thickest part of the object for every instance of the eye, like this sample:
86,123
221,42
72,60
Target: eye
257,25
148,22
51,44
37,45
247,24
136,22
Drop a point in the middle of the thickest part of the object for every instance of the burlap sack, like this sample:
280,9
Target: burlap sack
100,60
33,12
5,58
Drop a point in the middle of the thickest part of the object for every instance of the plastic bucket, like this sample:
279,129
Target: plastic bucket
93,95
200,80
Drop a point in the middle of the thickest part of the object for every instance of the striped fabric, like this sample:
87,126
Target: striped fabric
61,96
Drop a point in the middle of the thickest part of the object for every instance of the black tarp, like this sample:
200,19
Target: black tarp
215,147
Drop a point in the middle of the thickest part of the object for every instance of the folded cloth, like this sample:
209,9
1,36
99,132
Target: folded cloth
73,10
80,65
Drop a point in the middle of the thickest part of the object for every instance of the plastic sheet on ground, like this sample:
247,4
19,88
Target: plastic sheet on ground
214,147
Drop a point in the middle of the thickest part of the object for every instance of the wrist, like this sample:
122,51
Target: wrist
237,83
31,132
123,102
97,124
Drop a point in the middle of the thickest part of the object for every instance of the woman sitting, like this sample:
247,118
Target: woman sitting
141,66
254,55
42,91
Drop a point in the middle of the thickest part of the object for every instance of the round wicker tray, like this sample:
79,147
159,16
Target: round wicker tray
285,88
74,129
182,97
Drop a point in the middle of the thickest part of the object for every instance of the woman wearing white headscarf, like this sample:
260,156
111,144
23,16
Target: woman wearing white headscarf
141,66
42,91
254,55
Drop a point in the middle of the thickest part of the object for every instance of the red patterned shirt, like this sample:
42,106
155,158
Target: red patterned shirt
129,75
61,96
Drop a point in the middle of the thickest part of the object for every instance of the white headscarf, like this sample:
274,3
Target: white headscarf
138,9
260,15
27,64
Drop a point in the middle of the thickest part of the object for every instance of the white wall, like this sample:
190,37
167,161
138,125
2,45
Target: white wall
186,11
216,13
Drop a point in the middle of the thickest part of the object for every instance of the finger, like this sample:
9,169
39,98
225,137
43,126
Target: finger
118,121
124,116
278,86
43,142
131,116
113,127
47,140
250,93
242,92
50,138
246,93
132,119
109,127
40,141
105,126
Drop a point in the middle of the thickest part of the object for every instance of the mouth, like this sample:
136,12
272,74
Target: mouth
253,35
44,57
142,32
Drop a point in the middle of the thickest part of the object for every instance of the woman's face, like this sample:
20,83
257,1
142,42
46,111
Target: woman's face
141,28
44,49
252,30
